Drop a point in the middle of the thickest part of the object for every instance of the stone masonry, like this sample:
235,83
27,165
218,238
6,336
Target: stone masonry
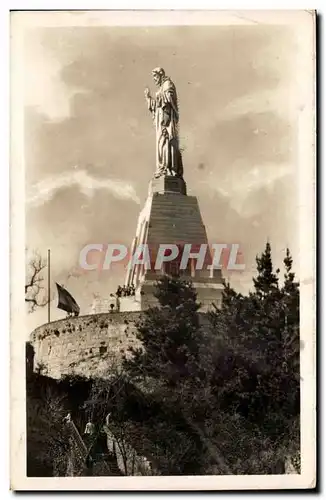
85,345
172,217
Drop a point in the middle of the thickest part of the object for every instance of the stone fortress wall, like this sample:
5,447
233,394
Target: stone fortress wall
84,345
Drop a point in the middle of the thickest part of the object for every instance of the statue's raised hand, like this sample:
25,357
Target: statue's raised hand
147,93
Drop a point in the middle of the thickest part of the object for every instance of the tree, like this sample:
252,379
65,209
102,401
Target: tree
170,370
47,442
217,400
34,291
266,281
48,401
291,301
108,408
256,381
170,335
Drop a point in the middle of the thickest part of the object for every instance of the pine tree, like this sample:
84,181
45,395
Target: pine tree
291,307
267,281
256,377
170,335
167,369
291,356
233,389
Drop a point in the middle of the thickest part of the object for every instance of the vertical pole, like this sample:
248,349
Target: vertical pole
49,274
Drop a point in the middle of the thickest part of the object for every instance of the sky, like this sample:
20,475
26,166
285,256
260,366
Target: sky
90,142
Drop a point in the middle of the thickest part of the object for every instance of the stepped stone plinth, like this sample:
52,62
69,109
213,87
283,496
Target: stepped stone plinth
171,217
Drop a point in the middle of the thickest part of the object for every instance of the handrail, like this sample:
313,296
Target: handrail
78,439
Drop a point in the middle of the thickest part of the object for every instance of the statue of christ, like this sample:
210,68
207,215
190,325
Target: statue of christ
164,109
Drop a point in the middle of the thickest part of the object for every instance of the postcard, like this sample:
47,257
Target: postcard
162,229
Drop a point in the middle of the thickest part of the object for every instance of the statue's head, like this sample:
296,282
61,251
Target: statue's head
158,75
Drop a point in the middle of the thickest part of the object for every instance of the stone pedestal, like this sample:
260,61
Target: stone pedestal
167,184
169,217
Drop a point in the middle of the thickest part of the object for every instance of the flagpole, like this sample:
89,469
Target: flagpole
49,285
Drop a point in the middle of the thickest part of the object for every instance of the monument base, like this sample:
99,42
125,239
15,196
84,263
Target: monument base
171,217
209,294
167,184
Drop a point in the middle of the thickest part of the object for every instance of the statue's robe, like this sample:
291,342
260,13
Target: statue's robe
165,113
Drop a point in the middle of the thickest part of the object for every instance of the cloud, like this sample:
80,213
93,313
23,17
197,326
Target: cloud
45,190
279,100
258,178
44,88
239,189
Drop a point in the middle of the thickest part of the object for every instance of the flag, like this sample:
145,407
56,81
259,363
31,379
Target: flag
66,301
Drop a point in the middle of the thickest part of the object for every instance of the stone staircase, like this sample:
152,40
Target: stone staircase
83,462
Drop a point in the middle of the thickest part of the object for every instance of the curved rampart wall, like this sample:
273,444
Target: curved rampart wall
85,345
